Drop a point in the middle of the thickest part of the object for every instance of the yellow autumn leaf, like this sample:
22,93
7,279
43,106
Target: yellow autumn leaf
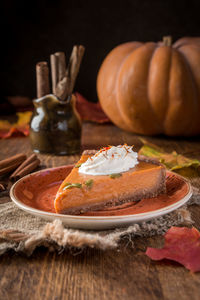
23,118
173,161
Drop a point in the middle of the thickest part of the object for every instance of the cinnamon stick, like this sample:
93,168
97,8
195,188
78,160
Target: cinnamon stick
61,65
11,160
29,160
42,76
54,72
11,163
27,169
58,73
74,65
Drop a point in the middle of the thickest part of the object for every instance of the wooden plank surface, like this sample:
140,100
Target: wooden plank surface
125,273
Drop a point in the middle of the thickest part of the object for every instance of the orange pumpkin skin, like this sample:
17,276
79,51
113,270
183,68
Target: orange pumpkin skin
150,88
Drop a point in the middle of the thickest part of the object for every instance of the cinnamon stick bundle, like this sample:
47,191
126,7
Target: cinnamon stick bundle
63,80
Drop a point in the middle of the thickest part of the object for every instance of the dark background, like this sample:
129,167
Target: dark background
32,30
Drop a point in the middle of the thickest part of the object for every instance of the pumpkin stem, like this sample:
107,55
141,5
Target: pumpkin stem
167,40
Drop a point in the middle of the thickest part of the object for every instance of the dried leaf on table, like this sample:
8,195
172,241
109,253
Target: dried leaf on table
21,127
173,161
182,245
90,111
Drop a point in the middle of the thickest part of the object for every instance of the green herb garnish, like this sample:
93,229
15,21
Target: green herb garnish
89,183
67,183
78,165
72,185
113,176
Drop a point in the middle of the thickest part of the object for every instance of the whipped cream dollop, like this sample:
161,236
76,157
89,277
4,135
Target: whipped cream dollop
110,160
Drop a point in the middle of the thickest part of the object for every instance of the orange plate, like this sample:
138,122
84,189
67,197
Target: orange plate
38,191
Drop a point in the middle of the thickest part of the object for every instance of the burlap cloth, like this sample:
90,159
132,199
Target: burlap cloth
23,232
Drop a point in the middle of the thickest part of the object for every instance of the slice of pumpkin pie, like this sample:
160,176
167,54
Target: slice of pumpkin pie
109,177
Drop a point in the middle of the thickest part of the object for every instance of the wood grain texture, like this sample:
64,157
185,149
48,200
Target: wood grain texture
125,273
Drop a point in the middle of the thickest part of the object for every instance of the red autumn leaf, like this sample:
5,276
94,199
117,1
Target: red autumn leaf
182,244
90,111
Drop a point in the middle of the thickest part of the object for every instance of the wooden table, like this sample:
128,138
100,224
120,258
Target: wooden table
125,273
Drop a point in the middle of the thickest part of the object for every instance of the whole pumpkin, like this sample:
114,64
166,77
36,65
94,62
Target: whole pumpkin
153,88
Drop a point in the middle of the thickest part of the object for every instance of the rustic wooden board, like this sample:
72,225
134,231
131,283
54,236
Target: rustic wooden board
125,273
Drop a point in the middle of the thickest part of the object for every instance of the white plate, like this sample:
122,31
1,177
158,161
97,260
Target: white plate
95,222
